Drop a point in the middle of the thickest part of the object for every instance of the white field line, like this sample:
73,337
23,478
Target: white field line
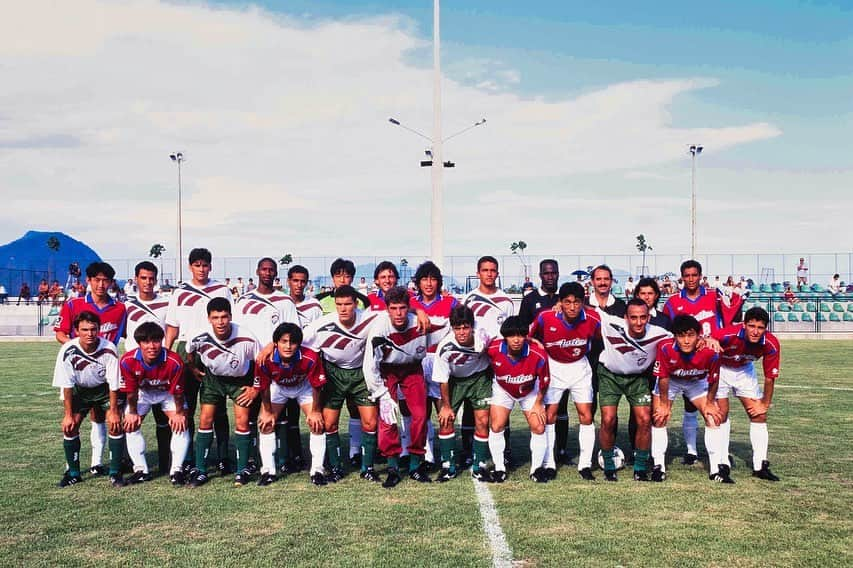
804,387
501,552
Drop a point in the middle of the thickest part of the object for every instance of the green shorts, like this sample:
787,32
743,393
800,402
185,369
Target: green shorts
611,387
84,399
215,388
476,388
344,384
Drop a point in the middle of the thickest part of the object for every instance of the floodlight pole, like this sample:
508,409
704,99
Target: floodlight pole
178,158
437,205
695,150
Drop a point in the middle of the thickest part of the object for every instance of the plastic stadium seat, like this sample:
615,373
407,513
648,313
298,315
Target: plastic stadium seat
54,311
821,316
763,288
850,307
778,317
848,316
817,288
837,307
824,307
618,291
776,287
45,321
783,307
798,307
811,307
834,317
793,317
807,317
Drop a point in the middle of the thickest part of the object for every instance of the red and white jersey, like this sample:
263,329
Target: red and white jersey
738,352
305,366
230,357
458,361
387,345
490,310
166,374
627,355
188,307
308,310
518,377
566,341
340,346
708,308
262,313
438,312
75,367
112,316
672,363
377,301
141,311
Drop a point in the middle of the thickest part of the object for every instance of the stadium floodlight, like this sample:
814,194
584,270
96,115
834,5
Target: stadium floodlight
178,158
695,150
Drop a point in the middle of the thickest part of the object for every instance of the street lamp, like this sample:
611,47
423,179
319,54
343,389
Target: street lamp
695,150
178,158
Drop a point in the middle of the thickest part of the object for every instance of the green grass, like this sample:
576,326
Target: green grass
805,519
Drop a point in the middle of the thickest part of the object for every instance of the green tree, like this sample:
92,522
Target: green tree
286,259
518,248
53,246
643,246
156,252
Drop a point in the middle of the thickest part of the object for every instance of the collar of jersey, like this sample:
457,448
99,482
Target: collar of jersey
581,318
161,359
276,357
524,351
702,292
742,334
681,353
91,301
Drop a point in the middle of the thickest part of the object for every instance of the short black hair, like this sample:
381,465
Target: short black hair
486,258
602,267
201,254
461,314
757,314
342,265
297,269
385,265
647,283
267,259
635,302
513,326
288,328
218,305
571,289
397,295
427,269
683,323
545,261
145,265
148,331
690,264
90,317
346,292
99,267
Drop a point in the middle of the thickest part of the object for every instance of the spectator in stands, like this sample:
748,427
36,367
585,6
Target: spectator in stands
629,288
276,285
730,285
129,287
43,291
362,286
4,295
666,287
24,294
835,285
802,274
54,293
704,283
251,285
790,297
716,283
78,290
241,288
235,293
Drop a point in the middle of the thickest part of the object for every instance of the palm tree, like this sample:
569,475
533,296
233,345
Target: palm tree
286,259
156,252
53,246
518,248
643,246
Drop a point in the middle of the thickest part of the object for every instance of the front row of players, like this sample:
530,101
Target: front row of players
363,358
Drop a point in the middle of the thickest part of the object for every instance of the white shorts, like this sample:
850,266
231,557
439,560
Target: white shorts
502,398
433,388
739,381
148,398
573,377
690,388
303,394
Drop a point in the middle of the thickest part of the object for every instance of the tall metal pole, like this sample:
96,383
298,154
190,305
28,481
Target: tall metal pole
695,149
437,206
180,255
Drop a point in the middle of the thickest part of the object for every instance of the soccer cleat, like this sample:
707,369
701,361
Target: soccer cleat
299,462
481,475
550,473
540,475
393,478
224,467
354,461
420,474
658,474
117,480
445,475
251,467
689,459
610,475
499,476
508,458
586,473
97,470
266,479
764,472
723,475
288,467
466,461
177,479
370,474
430,466
187,468
641,475
197,478
564,458
242,478
318,479
68,480
335,475
138,477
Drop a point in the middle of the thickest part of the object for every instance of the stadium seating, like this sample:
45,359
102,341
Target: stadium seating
798,307
792,317
778,317
783,307
848,316
763,288
834,317
837,307
807,317
811,307
776,287
824,307
821,316
850,307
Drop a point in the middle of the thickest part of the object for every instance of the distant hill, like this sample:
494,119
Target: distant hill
30,253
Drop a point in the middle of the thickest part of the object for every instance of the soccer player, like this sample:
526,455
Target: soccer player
293,373
341,338
713,310
225,355
624,368
342,272
385,276
462,369
648,291
521,376
543,298
153,376
567,336
742,345
682,368
393,357
186,317
308,309
86,371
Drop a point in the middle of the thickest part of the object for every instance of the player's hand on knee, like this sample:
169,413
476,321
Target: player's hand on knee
446,417
114,422
178,422
315,422
132,422
756,408
69,425
266,422
247,395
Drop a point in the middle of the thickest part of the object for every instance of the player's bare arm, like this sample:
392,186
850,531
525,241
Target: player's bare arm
314,417
446,416
132,421
247,395
178,418
70,423
171,335
114,415
62,337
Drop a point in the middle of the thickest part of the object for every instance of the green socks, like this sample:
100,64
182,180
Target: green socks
72,455
368,449
203,440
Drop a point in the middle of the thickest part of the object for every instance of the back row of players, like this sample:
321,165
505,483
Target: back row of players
392,357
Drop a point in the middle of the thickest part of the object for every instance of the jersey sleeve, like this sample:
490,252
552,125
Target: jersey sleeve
128,380
172,311
669,309
771,359
661,368
316,375
544,373
112,375
714,369
440,368
262,377
62,376
372,360
309,335
64,322
536,328
176,378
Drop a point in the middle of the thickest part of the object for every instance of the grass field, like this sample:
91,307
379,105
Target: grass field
804,520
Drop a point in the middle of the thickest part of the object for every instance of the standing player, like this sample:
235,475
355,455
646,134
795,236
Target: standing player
385,276
567,337
521,376
293,373
682,368
742,345
153,376
713,310
543,298
86,371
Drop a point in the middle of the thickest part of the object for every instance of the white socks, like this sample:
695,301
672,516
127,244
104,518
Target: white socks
689,427
549,452
266,447
660,442
98,437
317,444
136,450
725,440
713,438
497,445
538,447
760,439
586,440
430,444
179,445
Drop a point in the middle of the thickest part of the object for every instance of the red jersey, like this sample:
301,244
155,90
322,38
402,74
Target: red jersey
739,352
566,341
518,376
672,363
112,317
166,374
438,312
710,309
305,366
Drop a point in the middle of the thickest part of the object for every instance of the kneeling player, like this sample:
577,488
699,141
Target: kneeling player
87,372
152,376
742,344
682,368
521,376
293,373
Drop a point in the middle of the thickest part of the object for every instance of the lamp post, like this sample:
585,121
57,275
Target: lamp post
695,150
178,158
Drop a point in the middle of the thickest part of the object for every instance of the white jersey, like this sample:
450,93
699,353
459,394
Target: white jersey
141,311
455,360
308,310
262,313
75,367
626,355
387,345
340,346
490,310
231,357
188,307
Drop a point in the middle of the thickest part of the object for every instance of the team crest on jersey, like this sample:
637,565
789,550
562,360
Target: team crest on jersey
234,363
501,318
552,329
641,360
420,349
274,318
102,372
